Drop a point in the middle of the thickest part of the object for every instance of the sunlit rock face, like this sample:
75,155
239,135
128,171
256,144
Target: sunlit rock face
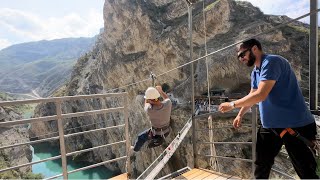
15,156
147,36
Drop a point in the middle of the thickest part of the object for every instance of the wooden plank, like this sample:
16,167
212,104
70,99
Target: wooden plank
123,176
203,175
183,176
194,175
223,176
234,177
212,176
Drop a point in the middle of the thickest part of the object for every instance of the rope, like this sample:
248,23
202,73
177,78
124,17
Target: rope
111,90
224,48
160,166
167,153
213,161
302,69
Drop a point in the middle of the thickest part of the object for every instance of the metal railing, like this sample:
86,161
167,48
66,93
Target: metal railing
59,117
253,125
232,114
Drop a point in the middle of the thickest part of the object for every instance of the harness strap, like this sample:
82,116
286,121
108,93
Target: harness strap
289,130
163,132
296,134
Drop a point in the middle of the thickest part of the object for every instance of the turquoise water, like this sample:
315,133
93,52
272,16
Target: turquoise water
52,168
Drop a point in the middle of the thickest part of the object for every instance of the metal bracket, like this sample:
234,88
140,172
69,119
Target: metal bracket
191,1
153,77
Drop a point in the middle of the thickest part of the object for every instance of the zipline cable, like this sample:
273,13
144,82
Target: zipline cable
224,48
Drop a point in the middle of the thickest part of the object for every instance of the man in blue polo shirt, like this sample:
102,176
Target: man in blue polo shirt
275,87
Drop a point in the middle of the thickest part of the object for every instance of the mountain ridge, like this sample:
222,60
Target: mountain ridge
35,65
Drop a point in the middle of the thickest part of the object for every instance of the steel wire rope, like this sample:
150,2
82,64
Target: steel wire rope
304,88
236,43
302,69
42,135
128,85
272,29
281,25
213,161
214,52
80,126
165,151
224,48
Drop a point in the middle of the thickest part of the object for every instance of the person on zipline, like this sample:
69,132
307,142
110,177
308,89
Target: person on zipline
284,116
159,113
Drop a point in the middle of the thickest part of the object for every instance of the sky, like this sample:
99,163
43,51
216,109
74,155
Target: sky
34,20
291,8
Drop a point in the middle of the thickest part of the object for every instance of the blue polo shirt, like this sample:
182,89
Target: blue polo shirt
285,106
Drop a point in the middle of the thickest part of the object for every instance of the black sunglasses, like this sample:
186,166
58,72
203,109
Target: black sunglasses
243,53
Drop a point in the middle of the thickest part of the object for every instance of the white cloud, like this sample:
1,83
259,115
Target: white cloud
290,8
4,43
19,26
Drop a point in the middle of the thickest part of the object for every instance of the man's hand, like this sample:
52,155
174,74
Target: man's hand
159,88
225,107
237,122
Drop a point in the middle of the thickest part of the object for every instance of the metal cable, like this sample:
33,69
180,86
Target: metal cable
304,88
214,163
234,44
302,69
64,129
224,48
128,85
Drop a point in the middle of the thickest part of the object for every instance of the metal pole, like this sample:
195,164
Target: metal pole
61,137
194,135
128,142
313,57
254,137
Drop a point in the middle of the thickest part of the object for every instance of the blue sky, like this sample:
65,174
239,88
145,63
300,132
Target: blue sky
291,8
34,20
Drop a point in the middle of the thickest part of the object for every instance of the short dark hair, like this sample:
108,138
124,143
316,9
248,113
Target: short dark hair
250,43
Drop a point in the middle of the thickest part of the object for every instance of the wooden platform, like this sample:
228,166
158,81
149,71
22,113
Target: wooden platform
192,174
120,177
205,174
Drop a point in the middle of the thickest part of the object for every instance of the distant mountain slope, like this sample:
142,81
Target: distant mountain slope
43,65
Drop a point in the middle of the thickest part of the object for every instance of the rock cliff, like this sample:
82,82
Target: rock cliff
141,37
18,155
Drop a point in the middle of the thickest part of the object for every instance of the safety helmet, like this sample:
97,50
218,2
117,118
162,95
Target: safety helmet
151,93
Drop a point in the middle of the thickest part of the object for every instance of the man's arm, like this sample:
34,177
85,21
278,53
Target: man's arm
259,95
163,94
245,109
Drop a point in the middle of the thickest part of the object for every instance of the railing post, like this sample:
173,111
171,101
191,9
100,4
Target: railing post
313,57
194,135
61,137
254,136
128,142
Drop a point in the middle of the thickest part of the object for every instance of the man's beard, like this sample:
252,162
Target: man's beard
252,59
